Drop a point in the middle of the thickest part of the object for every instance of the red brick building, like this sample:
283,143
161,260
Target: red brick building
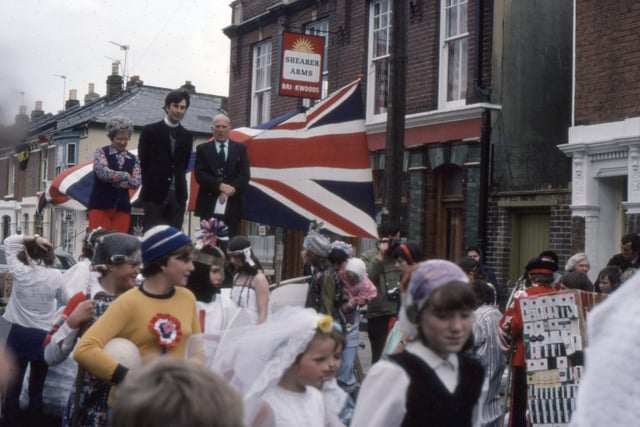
604,137
488,94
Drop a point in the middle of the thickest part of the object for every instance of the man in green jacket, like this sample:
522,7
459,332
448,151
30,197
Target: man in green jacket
383,273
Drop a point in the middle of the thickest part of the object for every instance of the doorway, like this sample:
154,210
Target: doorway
529,237
449,218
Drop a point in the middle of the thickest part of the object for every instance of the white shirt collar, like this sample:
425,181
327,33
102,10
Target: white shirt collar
171,125
446,369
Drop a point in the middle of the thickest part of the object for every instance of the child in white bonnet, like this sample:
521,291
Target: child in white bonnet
358,288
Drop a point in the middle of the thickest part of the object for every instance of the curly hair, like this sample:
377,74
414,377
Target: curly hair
118,124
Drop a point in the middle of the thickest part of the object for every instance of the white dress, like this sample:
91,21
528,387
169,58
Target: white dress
244,296
217,313
293,409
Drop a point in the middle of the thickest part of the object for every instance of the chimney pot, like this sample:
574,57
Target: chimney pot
37,112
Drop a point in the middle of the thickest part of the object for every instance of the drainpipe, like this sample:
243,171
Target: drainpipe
485,133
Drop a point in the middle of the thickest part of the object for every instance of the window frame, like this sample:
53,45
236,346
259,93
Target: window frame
461,36
261,95
375,110
68,153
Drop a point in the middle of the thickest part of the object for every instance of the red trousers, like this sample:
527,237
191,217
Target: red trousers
109,219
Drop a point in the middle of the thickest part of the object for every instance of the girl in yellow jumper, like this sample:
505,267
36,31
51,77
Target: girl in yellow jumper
158,316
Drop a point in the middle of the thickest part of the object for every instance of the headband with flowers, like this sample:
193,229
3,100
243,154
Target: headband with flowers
211,230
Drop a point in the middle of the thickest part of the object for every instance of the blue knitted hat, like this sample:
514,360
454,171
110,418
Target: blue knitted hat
161,241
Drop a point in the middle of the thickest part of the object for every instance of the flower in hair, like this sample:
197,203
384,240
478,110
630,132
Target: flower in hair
325,324
211,230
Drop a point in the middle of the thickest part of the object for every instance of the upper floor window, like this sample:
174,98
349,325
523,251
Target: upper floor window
453,53
261,83
320,29
379,46
11,184
44,169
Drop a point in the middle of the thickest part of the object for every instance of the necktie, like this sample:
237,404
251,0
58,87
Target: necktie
221,152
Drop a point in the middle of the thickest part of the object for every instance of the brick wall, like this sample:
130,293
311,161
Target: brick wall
349,26
607,61
346,59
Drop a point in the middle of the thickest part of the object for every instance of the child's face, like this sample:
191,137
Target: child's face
446,331
178,270
317,363
352,278
605,284
236,260
336,361
125,275
215,276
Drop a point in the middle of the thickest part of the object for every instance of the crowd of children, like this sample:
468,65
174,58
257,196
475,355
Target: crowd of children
228,360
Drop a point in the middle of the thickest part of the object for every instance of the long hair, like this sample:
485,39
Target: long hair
240,247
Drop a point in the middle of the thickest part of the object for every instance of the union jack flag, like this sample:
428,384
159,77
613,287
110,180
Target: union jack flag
305,166
313,165
72,188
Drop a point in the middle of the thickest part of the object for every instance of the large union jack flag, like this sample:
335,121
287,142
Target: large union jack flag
305,166
313,165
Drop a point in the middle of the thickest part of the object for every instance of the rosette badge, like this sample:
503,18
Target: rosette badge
168,330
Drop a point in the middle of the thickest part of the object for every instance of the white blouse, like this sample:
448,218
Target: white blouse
35,289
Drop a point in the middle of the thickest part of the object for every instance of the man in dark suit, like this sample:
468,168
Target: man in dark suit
164,151
222,170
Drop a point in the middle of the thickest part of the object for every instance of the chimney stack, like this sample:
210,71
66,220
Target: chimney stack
22,118
73,99
188,87
114,83
91,94
134,81
37,112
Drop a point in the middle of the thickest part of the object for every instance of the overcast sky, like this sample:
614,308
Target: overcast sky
169,42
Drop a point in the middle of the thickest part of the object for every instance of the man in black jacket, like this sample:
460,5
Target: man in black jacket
164,151
222,170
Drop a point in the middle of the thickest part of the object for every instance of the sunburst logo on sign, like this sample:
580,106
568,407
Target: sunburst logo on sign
303,45
301,72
